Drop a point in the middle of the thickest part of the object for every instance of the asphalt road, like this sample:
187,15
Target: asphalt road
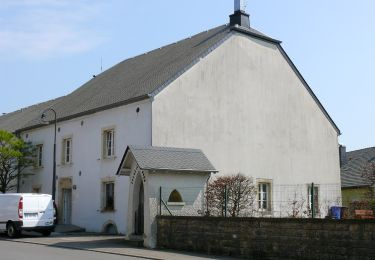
16,251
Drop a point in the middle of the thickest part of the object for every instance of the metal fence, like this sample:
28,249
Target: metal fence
190,203
301,200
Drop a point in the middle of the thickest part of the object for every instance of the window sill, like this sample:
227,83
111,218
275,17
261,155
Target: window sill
65,164
107,210
265,212
109,158
176,203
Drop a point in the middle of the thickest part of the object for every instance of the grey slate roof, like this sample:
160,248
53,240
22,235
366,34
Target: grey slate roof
352,170
135,79
25,116
174,159
130,80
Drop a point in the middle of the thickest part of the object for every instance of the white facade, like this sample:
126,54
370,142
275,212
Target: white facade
254,116
88,169
252,104
242,105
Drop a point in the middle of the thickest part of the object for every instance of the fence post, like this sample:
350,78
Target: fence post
160,200
312,201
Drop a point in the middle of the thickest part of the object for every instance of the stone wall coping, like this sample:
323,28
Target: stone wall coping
273,220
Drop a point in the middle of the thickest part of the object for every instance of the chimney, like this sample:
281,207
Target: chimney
343,157
240,17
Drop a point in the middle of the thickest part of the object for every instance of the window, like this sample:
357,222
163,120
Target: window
109,196
264,196
36,189
108,143
39,155
175,196
67,151
316,199
175,199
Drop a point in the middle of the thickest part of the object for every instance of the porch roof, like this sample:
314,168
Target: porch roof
165,158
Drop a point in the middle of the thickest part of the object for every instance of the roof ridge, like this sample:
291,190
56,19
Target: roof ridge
165,148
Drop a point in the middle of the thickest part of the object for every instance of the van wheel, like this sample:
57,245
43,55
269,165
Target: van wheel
46,233
12,232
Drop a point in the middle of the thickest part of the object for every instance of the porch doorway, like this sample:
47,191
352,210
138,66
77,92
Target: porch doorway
65,201
67,206
139,213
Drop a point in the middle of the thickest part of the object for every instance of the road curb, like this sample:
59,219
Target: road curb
82,249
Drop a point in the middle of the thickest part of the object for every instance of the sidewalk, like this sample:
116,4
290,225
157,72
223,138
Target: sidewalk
105,244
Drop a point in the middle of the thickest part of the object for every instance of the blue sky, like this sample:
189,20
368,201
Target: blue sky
48,48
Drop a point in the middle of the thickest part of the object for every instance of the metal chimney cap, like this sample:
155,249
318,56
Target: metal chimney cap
239,5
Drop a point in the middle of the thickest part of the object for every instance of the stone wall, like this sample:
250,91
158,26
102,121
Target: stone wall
269,238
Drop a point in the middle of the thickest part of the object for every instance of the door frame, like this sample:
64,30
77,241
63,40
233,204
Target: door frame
66,213
64,183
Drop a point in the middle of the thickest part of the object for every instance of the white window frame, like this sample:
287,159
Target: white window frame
105,207
39,156
264,196
108,145
67,150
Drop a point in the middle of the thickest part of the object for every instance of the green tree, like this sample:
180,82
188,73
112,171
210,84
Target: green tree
15,156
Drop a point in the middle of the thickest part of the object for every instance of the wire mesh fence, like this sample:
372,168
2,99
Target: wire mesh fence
186,201
263,200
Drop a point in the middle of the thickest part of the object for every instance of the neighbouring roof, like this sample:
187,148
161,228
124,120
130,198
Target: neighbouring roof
352,169
136,79
169,159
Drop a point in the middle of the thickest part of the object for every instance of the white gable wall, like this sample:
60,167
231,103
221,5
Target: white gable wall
245,107
130,128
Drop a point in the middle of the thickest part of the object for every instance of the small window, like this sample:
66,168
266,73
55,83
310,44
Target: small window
109,196
175,196
36,190
67,151
264,196
39,155
108,143
316,199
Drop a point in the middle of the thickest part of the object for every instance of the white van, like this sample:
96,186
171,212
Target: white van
25,211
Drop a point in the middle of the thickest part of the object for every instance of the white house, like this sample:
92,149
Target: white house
230,94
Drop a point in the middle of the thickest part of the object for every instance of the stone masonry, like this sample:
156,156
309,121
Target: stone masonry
269,238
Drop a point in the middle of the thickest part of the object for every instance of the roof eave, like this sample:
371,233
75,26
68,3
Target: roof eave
88,112
356,186
304,82
179,170
293,66
123,160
